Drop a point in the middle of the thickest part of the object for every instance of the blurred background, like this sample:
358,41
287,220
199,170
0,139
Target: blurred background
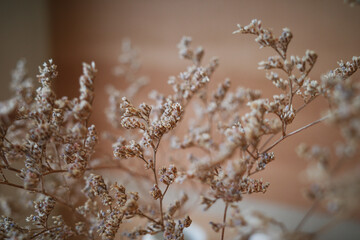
72,32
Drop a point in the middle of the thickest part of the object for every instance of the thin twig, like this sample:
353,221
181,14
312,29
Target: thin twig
295,132
4,158
252,155
149,218
308,214
305,104
38,191
3,175
224,222
302,77
156,181
255,171
167,187
39,233
266,142
10,168
154,160
43,231
333,222
146,162
108,167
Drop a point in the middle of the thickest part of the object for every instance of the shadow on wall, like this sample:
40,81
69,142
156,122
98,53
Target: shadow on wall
24,33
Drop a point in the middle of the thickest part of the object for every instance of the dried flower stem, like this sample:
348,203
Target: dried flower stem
252,155
303,76
3,175
156,182
308,214
42,232
10,168
101,167
167,187
38,191
295,132
281,139
4,158
305,104
224,221
161,204
154,159
149,218
334,221
267,142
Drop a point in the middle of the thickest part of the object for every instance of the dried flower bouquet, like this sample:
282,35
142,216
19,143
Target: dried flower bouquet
47,148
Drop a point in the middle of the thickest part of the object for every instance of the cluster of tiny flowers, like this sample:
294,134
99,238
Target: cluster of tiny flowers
111,225
59,231
338,75
174,231
191,82
120,194
177,205
39,134
77,155
207,202
122,205
337,191
22,84
257,224
232,190
43,209
45,96
247,132
132,115
123,150
152,130
265,37
216,226
197,136
171,115
95,186
343,95
265,158
127,69
186,53
167,176
9,229
82,107
195,78
155,192
218,96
